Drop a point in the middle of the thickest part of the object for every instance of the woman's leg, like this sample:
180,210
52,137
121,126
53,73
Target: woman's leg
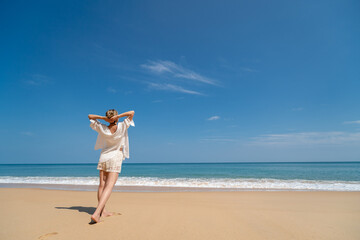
102,175
111,179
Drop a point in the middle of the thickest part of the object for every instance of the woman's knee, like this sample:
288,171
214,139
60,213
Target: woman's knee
102,185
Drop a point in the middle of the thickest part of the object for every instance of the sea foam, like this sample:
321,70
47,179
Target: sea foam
220,183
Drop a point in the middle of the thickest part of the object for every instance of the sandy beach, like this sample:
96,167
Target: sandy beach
59,214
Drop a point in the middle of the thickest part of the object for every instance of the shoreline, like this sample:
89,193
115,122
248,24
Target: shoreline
256,215
92,188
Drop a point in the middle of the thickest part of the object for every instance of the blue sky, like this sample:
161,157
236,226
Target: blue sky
210,81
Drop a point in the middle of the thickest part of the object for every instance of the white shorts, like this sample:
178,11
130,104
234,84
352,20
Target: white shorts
112,165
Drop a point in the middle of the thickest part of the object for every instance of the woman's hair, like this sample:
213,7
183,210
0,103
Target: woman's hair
110,113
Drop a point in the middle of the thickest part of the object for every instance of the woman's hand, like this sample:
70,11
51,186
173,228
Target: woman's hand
109,120
113,119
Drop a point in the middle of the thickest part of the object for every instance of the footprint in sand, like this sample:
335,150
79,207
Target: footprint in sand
115,213
42,237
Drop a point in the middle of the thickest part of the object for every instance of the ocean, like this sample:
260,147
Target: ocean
315,176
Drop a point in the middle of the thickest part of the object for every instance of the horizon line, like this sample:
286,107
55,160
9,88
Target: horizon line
185,162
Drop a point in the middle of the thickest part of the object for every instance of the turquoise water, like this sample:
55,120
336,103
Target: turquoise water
306,171
314,176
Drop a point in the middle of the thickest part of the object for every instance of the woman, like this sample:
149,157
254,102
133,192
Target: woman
114,142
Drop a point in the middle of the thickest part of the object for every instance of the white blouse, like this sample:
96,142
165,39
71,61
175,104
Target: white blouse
110,143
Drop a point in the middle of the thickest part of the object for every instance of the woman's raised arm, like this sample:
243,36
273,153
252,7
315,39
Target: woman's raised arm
93,116
129,114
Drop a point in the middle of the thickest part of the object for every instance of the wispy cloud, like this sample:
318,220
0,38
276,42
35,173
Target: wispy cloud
177,71
306,138
219,139
37,80
297,109
111,90
352,122
247,69
213,118
172,88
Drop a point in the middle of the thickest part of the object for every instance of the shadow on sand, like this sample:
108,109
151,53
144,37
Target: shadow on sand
89,210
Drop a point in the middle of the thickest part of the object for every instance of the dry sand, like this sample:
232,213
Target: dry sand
59,214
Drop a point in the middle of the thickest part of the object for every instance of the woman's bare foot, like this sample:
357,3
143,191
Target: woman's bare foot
95,218
106,214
